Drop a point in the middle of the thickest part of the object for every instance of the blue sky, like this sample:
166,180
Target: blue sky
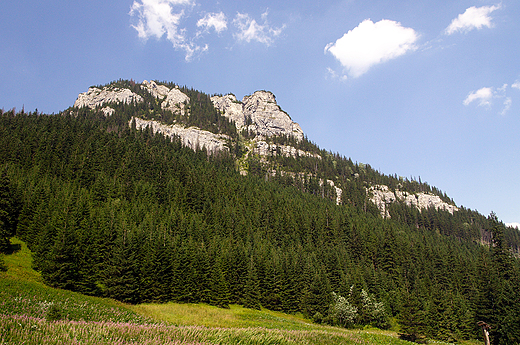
427,89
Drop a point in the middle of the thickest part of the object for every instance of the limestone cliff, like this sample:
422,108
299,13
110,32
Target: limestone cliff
191,137
382,196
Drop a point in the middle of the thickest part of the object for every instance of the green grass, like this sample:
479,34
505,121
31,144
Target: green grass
235,316
28,311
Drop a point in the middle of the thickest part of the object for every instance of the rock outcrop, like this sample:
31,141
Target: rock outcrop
382,196
192,137
108,111
263,148
174,99
259,113
338,190
96,97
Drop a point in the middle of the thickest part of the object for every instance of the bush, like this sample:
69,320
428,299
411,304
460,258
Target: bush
342,312
372,312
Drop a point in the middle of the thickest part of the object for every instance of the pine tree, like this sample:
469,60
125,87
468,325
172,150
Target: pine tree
317,298
251,297
9,211
220,296
412,318
121,275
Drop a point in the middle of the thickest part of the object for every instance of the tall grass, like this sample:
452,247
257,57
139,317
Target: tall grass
28,330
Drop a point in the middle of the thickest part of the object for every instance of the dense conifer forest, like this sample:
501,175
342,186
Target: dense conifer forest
112,211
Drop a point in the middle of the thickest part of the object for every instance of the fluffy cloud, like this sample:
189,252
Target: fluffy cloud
370,44
516,85
250,30
472,18
216,21
483,96
157,18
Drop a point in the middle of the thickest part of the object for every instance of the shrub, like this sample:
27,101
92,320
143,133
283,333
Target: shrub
342,312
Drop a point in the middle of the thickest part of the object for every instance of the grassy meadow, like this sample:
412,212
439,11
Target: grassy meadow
32,313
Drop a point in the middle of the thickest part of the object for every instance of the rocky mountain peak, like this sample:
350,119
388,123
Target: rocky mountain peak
259,113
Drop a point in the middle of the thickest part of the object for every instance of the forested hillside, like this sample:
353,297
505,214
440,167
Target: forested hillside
110,210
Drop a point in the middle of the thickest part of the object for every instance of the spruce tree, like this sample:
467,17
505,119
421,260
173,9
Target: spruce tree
251,298
9,211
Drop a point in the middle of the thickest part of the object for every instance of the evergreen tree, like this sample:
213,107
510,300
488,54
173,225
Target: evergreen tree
219,287
251,297
412,319
9,211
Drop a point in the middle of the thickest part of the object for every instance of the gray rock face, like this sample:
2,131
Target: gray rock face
231,108
192,137
263,148
381,196
95,97
174,99
259,113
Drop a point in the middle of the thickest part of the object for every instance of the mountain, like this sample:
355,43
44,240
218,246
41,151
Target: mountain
264,131
157,192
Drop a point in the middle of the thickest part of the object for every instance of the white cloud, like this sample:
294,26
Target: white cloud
483,96
507,105
503,88
486,95
472,18
516,85
249,29
372,43
157,18
216,21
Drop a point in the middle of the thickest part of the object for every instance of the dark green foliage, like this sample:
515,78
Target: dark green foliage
9,211
112,211
251,298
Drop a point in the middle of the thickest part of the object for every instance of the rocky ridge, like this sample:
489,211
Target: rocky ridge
381,196
191,137
260,114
